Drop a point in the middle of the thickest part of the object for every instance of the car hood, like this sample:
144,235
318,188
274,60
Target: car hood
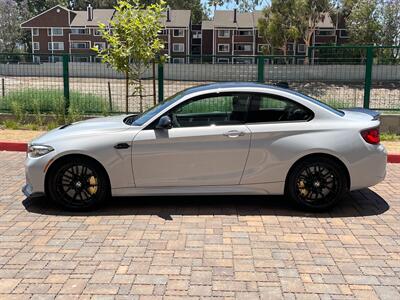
88,127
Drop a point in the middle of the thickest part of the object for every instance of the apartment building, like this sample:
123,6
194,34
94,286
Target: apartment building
230,33
60,30
176,34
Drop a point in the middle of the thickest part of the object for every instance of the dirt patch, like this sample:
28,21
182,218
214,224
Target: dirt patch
19,135
392,147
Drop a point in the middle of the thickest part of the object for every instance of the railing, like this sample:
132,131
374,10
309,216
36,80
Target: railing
342,76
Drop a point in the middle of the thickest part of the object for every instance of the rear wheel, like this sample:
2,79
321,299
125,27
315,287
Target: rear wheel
77,184
316,184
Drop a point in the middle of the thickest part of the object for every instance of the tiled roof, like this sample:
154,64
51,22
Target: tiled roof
225,19
178,17
79,18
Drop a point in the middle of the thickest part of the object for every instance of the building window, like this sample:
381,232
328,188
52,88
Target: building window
55,46
163,32
55,32
80,59
223,60
301,48
223,48
243,47
36,59
261,47
344,34
80,31
100,45
96,32
178,47
179,33
290,47
224,33
242,60
166,46
80,45
36,46
55,59
196,34
325,32
244,32
35,31
178,60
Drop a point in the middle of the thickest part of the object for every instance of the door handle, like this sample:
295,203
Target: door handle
121,146
233,133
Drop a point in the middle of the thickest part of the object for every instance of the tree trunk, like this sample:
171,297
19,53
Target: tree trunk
126,91
140,93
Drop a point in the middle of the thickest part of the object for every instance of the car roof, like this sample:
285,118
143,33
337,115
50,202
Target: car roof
227,85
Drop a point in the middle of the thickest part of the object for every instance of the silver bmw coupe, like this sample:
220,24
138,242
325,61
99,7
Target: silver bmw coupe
224,138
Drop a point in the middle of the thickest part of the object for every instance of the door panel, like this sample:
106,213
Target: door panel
192,156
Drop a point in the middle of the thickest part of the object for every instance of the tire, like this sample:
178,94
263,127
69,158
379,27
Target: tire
77,184
316,184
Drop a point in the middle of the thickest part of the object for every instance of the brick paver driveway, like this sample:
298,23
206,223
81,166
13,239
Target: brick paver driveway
227,247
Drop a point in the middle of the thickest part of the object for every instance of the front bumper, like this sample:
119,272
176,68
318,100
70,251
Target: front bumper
27,190
35,175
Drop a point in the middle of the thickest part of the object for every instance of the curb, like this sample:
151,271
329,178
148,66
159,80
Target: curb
13,146
21,147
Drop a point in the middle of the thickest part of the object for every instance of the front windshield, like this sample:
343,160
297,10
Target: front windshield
148,114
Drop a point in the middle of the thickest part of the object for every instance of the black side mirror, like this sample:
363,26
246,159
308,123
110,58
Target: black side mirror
165,122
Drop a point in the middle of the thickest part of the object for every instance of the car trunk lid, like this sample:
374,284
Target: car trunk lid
360,113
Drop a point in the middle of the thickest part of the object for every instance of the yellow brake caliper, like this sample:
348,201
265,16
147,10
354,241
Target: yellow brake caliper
302,188
92,189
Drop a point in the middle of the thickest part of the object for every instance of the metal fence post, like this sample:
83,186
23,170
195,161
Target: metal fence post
65,61
368,76
260,64
160,82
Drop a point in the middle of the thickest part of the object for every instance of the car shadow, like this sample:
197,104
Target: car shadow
356,204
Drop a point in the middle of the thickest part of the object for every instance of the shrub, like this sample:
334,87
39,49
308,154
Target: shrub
51,101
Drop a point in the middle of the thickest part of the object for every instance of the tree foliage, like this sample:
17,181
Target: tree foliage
363,23
391,22
289,20
11,16
133,41
82,4
278,25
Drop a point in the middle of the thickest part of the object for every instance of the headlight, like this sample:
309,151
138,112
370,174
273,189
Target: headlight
39,150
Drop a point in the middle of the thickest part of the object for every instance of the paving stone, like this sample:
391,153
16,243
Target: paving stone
243,247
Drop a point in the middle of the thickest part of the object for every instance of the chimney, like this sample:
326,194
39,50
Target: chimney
168,14
235,15
89,12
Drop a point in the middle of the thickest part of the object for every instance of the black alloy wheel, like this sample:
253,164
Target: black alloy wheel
78,184
316,184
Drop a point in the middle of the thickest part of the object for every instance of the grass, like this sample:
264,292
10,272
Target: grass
51,100
390,137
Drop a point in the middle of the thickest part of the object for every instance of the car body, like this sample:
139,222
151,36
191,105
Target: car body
247,143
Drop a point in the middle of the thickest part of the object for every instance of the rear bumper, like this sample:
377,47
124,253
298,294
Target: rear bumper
370,170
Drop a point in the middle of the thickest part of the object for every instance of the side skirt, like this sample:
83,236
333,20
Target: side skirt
274,188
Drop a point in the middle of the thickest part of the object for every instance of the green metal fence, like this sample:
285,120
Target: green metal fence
344,76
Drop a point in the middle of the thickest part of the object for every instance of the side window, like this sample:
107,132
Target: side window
272,108
215,109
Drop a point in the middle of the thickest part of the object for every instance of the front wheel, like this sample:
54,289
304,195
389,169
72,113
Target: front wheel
77,184
316,184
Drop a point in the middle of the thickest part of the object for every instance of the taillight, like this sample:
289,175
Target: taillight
371,135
